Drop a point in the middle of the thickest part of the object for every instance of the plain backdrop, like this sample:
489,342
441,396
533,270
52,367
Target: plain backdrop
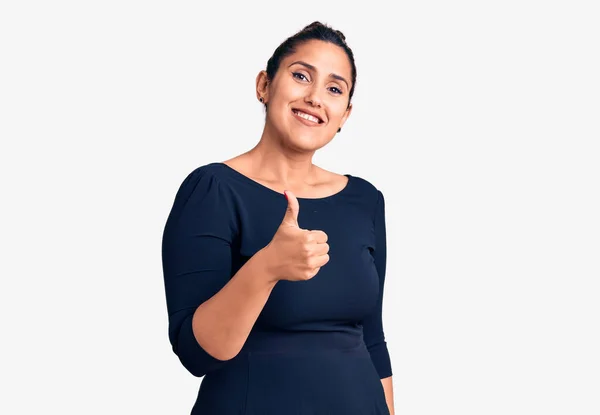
478,120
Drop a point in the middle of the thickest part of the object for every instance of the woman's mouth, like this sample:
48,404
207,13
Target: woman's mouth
306,119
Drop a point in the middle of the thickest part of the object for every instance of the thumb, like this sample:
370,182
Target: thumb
291,213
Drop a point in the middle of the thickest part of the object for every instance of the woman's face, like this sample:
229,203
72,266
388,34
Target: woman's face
313,81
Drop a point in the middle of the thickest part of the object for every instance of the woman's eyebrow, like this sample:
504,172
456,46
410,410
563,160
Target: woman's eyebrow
311,67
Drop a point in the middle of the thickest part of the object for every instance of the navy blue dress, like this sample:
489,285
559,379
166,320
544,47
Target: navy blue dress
318,346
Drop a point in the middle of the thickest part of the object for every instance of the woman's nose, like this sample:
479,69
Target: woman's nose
313,99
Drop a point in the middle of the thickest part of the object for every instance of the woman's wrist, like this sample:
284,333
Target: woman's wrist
265,269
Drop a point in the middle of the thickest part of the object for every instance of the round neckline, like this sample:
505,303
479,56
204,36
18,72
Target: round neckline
275,192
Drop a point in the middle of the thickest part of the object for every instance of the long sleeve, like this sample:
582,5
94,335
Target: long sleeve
373,325
196,258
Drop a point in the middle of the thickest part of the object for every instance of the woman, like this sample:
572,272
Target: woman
274,268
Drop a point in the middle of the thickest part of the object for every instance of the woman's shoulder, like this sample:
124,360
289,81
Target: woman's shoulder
210,169
213,171
359,183
361,191
201,181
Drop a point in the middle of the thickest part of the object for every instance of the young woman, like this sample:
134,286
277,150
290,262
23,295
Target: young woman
274,267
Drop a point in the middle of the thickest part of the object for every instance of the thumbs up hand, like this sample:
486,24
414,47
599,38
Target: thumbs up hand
296,254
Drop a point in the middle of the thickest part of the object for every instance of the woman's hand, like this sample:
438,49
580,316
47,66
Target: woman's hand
295,254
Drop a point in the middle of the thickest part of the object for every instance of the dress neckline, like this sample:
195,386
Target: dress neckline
253,182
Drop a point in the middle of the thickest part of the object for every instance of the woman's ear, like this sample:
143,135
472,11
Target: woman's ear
346,115
262,86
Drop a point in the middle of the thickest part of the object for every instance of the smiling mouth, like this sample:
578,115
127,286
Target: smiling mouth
307,118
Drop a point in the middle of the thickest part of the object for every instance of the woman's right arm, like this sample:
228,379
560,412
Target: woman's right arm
211,312
223,323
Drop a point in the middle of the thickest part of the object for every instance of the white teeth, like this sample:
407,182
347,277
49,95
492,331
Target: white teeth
306,116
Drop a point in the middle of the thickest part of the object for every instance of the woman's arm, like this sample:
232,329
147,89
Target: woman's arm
389,393
223,323
211,309
373,325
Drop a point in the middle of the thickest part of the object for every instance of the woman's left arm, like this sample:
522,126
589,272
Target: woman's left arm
389,393
373,332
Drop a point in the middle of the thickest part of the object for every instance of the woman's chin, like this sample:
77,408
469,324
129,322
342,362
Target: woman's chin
306,142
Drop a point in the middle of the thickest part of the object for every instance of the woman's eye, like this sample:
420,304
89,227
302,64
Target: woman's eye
297,74
302,77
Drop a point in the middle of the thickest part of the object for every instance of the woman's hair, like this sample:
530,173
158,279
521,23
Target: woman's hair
318,31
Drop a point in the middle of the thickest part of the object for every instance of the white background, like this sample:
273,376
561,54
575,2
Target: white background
478,120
